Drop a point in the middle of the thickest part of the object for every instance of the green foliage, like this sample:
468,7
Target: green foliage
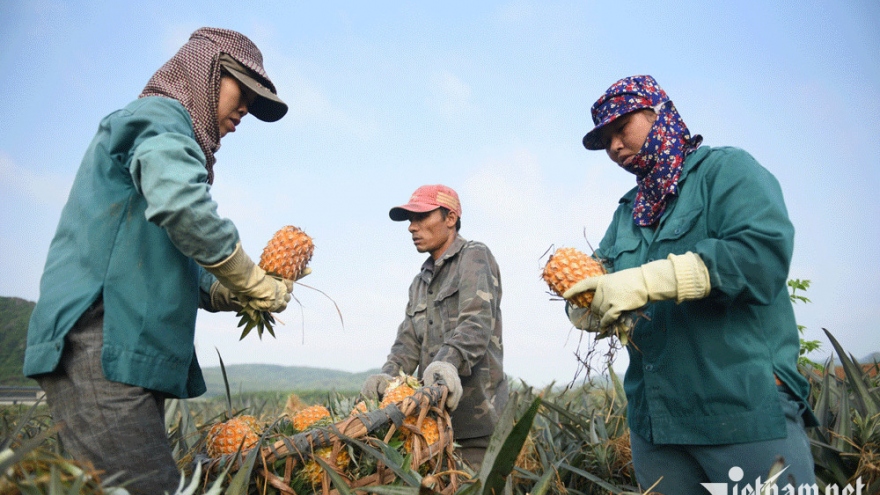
15,314
796,285
846,444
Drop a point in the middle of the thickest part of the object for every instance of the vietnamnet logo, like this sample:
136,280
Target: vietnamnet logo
770,487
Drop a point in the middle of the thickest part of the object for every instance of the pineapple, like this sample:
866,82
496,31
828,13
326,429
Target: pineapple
566,267
313,471
311,416
400,388
429,431
359,408
285,256
225,438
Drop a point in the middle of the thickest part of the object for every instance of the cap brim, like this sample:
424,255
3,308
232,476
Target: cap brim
267,107
401,213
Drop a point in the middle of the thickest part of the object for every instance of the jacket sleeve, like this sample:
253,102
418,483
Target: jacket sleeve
751,238
405,351
168,169
478,301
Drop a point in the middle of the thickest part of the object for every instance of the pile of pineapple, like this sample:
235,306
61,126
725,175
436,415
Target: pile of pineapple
418,439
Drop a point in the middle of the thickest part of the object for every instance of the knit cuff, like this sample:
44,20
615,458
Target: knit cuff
691,275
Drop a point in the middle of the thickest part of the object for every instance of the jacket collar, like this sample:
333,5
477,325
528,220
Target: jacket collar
430,264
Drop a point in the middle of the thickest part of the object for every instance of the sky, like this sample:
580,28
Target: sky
490,98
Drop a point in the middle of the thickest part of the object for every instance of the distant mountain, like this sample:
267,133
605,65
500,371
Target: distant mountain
14,316
275,378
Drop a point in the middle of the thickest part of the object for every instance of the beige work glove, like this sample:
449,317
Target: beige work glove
249,283
222,299
582,318
443,373
374,386
679,277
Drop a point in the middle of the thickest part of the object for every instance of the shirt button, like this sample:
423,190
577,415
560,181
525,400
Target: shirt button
430,322
649,367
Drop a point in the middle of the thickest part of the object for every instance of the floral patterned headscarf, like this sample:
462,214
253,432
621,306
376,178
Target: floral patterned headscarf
192,77
657,166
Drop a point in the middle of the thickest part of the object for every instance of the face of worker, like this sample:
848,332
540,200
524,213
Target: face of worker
431,233
625,137
232,105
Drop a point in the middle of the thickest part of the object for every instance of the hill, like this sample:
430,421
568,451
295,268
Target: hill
276,378
14,316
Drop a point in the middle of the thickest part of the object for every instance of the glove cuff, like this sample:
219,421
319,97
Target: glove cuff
235,262
691,275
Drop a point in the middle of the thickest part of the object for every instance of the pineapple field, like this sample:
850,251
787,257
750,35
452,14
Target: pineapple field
570,440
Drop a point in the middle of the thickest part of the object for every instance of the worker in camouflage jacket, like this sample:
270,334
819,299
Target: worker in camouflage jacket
452,329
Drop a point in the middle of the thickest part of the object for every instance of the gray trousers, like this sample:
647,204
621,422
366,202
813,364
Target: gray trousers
684,467
116,427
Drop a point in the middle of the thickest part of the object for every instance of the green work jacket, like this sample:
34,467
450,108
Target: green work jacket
702,372
139,218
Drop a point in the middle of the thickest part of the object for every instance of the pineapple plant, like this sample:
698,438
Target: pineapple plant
285,256
400,388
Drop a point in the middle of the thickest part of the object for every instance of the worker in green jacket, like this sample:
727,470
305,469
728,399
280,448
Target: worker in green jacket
138,249
700,248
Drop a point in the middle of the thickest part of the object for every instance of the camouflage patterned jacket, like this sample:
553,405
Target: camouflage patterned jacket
454,315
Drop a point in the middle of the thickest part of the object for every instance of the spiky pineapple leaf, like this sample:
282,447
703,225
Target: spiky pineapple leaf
504,448
391,490
868,405
337,480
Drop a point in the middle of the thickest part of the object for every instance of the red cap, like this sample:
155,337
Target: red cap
427,198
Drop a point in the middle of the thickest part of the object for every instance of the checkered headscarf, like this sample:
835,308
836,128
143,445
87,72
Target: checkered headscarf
192,77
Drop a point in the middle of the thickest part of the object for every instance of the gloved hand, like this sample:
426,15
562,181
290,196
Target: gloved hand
375,385
582,318
250,284
441,371
683,278
222,299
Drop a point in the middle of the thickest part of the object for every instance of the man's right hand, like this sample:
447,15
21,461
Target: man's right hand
375,385
250,283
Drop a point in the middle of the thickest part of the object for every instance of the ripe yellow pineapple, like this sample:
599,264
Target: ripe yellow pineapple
400,388
566,267
313,471
307,417
286,256
288,253
429,431
225,438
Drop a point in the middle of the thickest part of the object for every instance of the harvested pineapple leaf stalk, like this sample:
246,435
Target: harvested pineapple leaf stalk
568,266
285,256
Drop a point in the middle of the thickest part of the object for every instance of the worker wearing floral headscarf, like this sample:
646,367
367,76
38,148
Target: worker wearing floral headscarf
701,248
138,249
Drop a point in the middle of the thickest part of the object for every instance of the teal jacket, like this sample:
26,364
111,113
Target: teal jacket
139,218
702,372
